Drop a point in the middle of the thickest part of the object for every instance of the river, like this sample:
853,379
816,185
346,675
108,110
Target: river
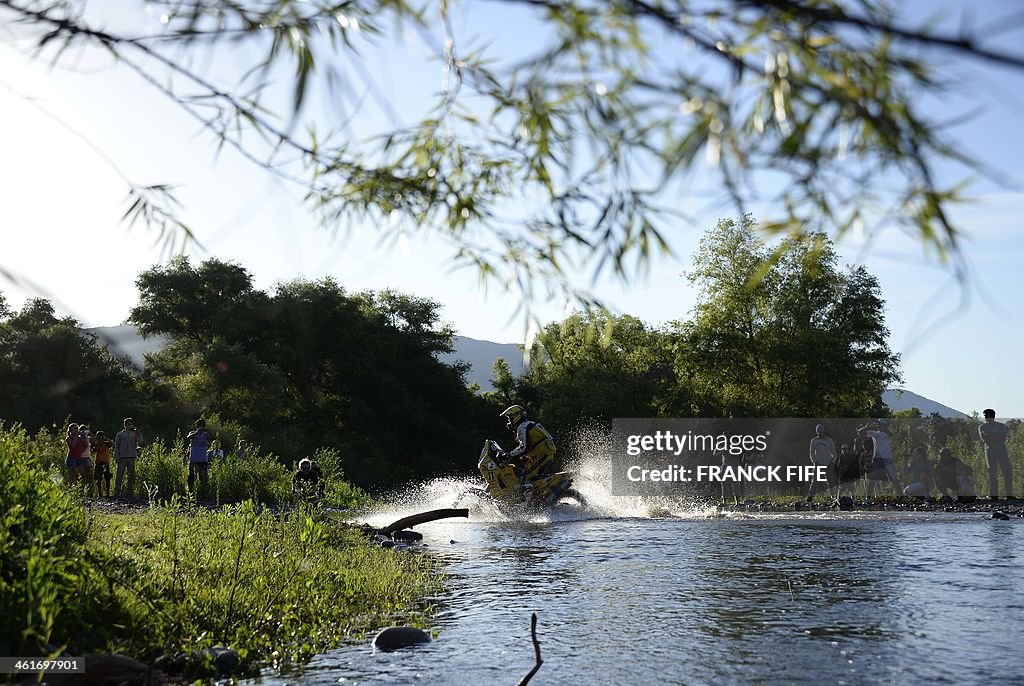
702,598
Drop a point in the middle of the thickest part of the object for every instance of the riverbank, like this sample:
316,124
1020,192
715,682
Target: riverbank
167,584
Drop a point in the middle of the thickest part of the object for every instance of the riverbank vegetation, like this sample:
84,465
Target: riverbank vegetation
174,579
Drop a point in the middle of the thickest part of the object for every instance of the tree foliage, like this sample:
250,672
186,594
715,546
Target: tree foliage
796,336
51,370
558,158
311,365
791,336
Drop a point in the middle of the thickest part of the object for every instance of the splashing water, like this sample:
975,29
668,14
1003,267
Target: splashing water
591,467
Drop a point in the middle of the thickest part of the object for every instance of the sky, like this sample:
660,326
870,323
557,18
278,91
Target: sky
69,137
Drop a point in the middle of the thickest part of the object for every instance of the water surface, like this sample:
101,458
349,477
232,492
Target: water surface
844,598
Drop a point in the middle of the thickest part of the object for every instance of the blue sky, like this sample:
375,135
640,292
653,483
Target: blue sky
60,204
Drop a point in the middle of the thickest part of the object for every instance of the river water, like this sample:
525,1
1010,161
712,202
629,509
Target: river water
702,598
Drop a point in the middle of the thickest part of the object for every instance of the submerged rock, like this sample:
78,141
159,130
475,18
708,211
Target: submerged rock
395,637
996,514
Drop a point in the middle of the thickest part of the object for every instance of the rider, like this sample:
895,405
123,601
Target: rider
535,451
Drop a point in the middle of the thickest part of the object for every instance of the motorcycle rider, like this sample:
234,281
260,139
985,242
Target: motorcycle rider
535,452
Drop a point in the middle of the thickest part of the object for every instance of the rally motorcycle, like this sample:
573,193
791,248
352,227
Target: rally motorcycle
504,485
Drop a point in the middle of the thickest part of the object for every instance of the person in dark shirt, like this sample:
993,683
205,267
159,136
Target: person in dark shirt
308,480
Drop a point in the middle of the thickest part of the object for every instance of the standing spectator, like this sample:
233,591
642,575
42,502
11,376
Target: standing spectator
101,449
76,447
731,488
243,449
993,435
862,446
849,467
198,461
953,474
881,460
86,470
823,454
127,444
755,459
920,471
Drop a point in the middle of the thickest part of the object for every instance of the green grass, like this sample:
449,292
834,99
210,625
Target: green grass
277,587
271,586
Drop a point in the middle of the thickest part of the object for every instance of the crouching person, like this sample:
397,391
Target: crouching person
954,475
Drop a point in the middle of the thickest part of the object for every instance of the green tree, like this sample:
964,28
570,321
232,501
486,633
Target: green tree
311,365
577,375
50,369
789,335
587,132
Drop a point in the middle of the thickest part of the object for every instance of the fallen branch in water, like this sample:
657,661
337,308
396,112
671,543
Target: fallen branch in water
536,650
423,518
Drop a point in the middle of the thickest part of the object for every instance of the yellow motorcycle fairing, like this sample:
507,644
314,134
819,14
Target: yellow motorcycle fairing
503,484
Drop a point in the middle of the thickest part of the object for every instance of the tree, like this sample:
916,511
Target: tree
585,136
795,336
576,375
51,370
311,365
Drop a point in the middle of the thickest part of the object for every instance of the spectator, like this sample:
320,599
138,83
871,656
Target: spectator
882,465
76,447
863,446
953,474
86,463
101,449
127,444
993,435
920,471
755,459
849,467
198,464
243,449
308,480
214,453
823,454
731,488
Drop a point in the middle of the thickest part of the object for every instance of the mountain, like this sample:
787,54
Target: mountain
481,356
899,399
125,341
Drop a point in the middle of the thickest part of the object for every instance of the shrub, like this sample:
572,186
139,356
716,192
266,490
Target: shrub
44,577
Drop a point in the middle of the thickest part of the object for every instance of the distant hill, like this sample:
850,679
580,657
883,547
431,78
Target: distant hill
125,341
899,399
481,356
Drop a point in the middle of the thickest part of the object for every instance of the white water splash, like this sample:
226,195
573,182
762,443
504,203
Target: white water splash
592,478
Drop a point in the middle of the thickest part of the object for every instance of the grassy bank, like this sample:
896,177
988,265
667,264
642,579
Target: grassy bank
175,578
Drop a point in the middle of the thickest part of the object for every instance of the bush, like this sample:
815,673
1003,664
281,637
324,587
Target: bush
160,471
45,579
258,477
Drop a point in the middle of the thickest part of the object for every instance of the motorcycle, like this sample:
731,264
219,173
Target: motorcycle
504,485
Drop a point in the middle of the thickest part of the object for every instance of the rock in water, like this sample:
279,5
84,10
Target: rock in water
395,637
407,535
996,514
